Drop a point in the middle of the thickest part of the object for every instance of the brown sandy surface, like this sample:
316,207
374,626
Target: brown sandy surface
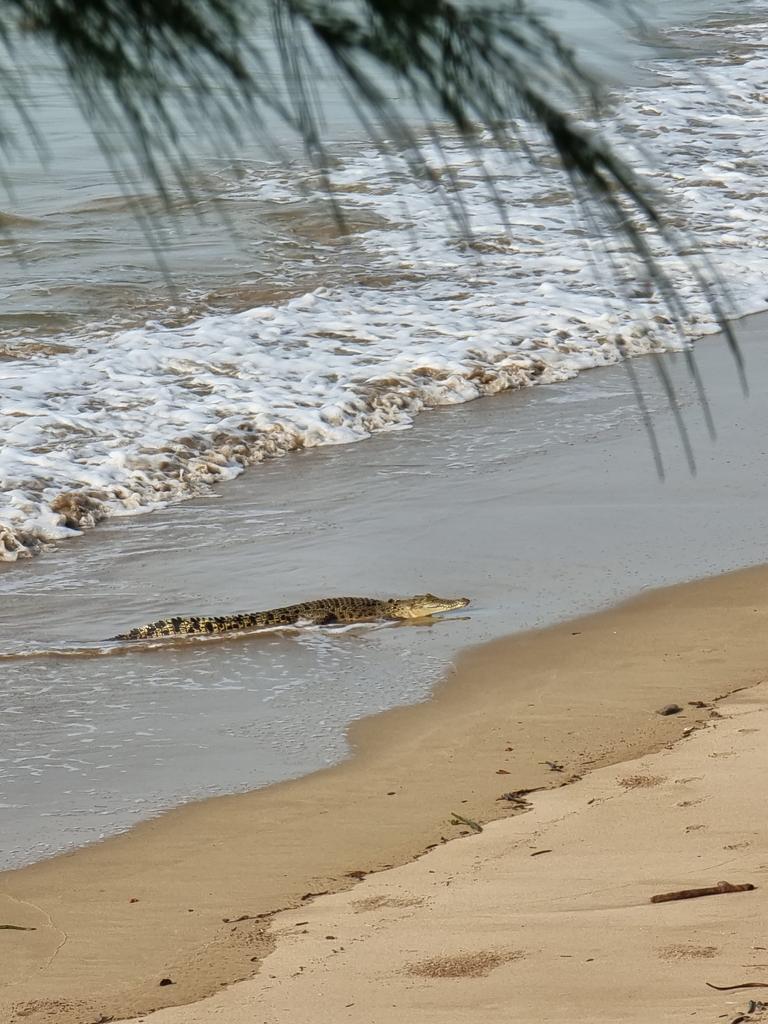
547,917
114,920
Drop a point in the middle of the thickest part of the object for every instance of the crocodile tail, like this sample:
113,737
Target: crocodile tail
195,625
162,627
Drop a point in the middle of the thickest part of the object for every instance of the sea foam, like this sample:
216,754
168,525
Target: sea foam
120,423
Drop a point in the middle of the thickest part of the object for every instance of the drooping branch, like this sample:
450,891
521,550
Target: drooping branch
230,69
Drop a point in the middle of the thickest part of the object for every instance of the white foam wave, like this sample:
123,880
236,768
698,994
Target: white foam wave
128,422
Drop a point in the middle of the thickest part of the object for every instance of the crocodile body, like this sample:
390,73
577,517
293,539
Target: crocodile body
326,611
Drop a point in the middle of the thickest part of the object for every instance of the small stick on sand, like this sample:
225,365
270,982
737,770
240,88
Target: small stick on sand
744,984
459,820
709,890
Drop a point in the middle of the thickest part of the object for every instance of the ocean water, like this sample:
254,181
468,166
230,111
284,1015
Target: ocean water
289,338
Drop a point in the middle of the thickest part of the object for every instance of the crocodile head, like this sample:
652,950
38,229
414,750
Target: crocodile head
423,605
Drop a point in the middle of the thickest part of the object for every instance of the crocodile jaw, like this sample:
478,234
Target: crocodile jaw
423,605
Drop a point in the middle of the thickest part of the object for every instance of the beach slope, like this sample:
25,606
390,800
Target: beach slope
547,917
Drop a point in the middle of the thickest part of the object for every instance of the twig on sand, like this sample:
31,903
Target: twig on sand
517,797
744,984
708,890
457,819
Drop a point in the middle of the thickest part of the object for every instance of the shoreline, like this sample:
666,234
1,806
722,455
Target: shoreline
113,919
540,504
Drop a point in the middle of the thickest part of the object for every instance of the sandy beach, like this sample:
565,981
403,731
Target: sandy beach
548,916
114,920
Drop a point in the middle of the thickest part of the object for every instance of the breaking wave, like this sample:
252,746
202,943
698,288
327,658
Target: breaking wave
120,423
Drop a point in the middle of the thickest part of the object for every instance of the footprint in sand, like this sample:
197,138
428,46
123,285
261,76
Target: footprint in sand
687,952
463,965
641,781
382,902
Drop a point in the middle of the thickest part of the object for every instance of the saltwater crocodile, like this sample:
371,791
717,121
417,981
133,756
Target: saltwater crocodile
323,612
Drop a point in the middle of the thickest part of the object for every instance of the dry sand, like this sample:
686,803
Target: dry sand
547,917
114,920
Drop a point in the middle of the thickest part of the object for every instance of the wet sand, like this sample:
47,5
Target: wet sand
115,919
